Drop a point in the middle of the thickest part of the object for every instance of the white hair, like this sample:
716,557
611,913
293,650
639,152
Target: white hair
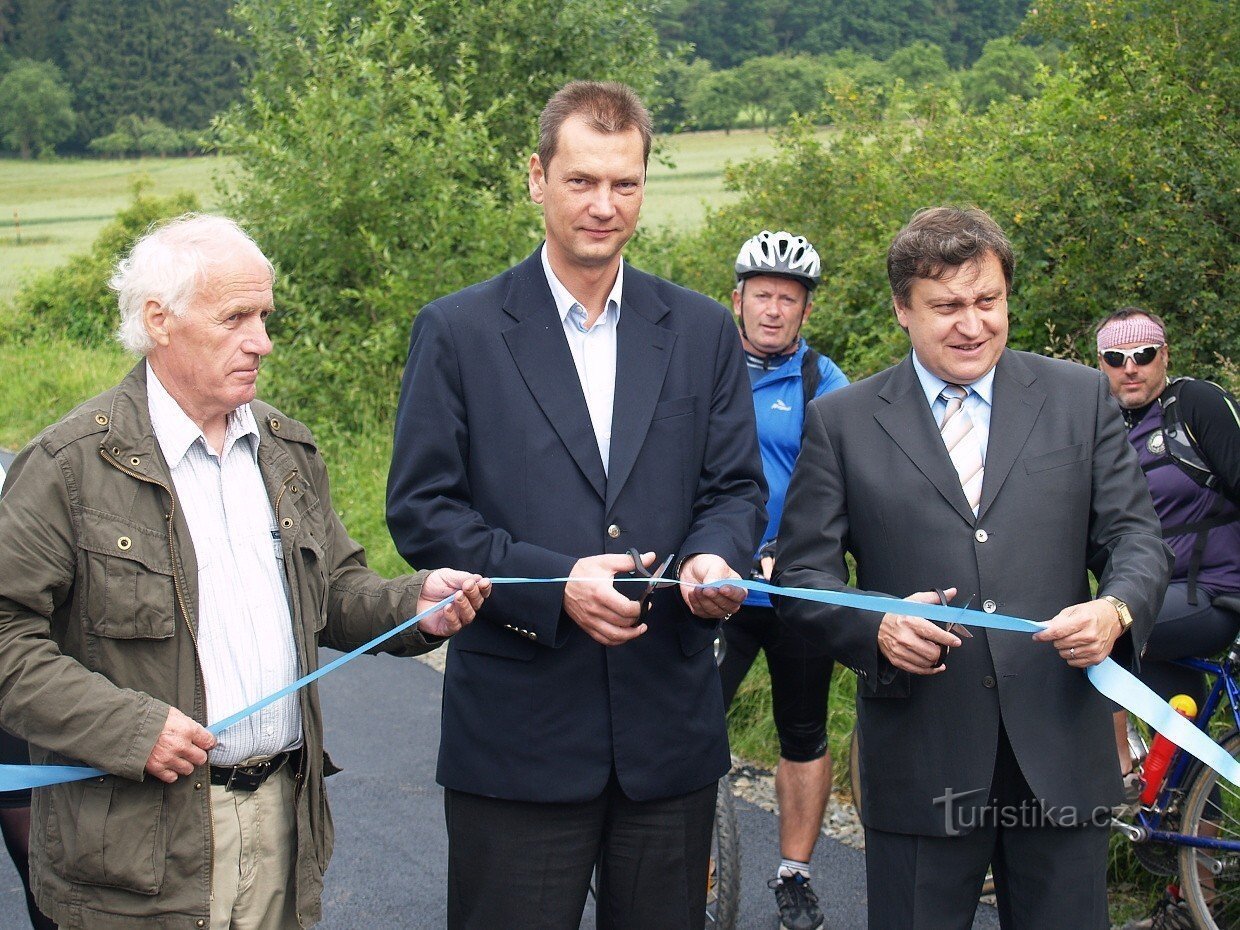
172,265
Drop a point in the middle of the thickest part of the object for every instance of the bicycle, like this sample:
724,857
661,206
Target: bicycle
1193,827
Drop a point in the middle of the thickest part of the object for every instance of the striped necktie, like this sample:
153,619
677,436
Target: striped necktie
962,443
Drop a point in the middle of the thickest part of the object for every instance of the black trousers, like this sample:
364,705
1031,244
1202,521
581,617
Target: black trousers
528,864
1045,876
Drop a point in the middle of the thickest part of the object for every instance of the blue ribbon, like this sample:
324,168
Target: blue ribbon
1108,677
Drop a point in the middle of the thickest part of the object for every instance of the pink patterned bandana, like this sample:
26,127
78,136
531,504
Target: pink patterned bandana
1130,330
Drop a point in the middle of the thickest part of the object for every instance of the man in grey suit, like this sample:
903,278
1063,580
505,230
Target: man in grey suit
999,478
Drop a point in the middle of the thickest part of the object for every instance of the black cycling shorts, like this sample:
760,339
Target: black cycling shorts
800,682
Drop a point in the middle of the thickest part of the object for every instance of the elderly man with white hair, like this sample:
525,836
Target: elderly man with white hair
169,555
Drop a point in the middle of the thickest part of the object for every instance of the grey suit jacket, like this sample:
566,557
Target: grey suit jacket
1062,493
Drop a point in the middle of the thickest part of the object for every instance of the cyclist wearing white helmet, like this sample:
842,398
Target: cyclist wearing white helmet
776,274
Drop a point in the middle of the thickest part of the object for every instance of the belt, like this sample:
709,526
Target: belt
250,777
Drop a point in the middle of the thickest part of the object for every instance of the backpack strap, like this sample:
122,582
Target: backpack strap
811,376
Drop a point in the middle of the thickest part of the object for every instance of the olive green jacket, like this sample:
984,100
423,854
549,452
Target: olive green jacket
98,616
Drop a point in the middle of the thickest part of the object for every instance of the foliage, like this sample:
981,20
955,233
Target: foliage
382,150
171,60
1116,185
730,32
1006,69
136,135
37,112
73,301
919,64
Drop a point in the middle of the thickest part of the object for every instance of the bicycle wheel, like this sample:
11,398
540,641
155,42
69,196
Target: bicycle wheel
723,883
1210,878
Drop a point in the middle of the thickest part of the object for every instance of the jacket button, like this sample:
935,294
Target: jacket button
197,786
124,543
613,531
989,681
989,606
135,461
275,425
200,922
101,419
287,522
981,536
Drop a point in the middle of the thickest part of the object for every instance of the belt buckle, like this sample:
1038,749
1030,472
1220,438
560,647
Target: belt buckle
253,776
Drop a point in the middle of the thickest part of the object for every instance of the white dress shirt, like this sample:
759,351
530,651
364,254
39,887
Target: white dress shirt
245,629
594,352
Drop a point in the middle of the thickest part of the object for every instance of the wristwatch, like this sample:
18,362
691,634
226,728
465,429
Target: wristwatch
1125,615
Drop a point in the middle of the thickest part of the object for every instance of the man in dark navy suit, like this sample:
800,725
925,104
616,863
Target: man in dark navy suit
551,419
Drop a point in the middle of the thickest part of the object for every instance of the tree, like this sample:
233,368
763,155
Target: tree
172,61
1006,69
37,113
1116,185
920,64
382,150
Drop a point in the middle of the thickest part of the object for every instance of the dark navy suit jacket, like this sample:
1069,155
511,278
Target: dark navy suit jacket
496,470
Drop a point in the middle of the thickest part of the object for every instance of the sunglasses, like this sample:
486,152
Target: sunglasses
658,579
1141,355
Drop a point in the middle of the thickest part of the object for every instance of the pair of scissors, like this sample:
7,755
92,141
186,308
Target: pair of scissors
952,626
658,578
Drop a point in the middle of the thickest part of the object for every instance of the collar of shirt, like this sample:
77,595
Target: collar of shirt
566,303
932,385
176,432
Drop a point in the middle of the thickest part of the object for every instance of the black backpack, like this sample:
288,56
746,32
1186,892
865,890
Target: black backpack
1182,452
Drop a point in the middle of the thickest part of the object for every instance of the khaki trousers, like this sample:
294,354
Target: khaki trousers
255,836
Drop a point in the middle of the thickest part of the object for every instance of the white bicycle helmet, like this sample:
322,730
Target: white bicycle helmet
779,253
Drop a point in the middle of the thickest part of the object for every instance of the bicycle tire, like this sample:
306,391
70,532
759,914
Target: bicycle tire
1214,905
723,888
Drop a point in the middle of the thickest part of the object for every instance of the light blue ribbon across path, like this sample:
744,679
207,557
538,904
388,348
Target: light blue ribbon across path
1108,677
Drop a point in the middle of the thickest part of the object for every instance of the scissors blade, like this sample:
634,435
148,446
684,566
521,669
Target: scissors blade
659,578
958,628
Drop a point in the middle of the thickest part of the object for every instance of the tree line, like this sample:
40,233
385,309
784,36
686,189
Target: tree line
131,77
115,76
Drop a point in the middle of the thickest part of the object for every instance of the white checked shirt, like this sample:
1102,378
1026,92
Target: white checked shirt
594,352
245,629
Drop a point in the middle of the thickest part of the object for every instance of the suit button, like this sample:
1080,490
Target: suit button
989,606
981,536
989,681
613,531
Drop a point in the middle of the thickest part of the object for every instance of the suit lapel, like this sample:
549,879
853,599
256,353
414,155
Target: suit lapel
643,353
908,421
1017,403
540,351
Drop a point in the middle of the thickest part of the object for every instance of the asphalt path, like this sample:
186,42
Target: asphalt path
390,864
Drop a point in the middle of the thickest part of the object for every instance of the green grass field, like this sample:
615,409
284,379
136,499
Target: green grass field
51,210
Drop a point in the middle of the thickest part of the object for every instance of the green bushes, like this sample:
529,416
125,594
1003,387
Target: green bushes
1116,185
73,302
382,155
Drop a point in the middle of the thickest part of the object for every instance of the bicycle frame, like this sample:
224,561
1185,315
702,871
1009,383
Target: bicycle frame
1150,820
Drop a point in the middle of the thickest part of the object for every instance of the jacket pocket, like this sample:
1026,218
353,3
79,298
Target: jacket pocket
129,586
109,831
311,565
1055,459
677,406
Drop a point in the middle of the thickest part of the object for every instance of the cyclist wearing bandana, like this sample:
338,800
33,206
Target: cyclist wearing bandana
1186,433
